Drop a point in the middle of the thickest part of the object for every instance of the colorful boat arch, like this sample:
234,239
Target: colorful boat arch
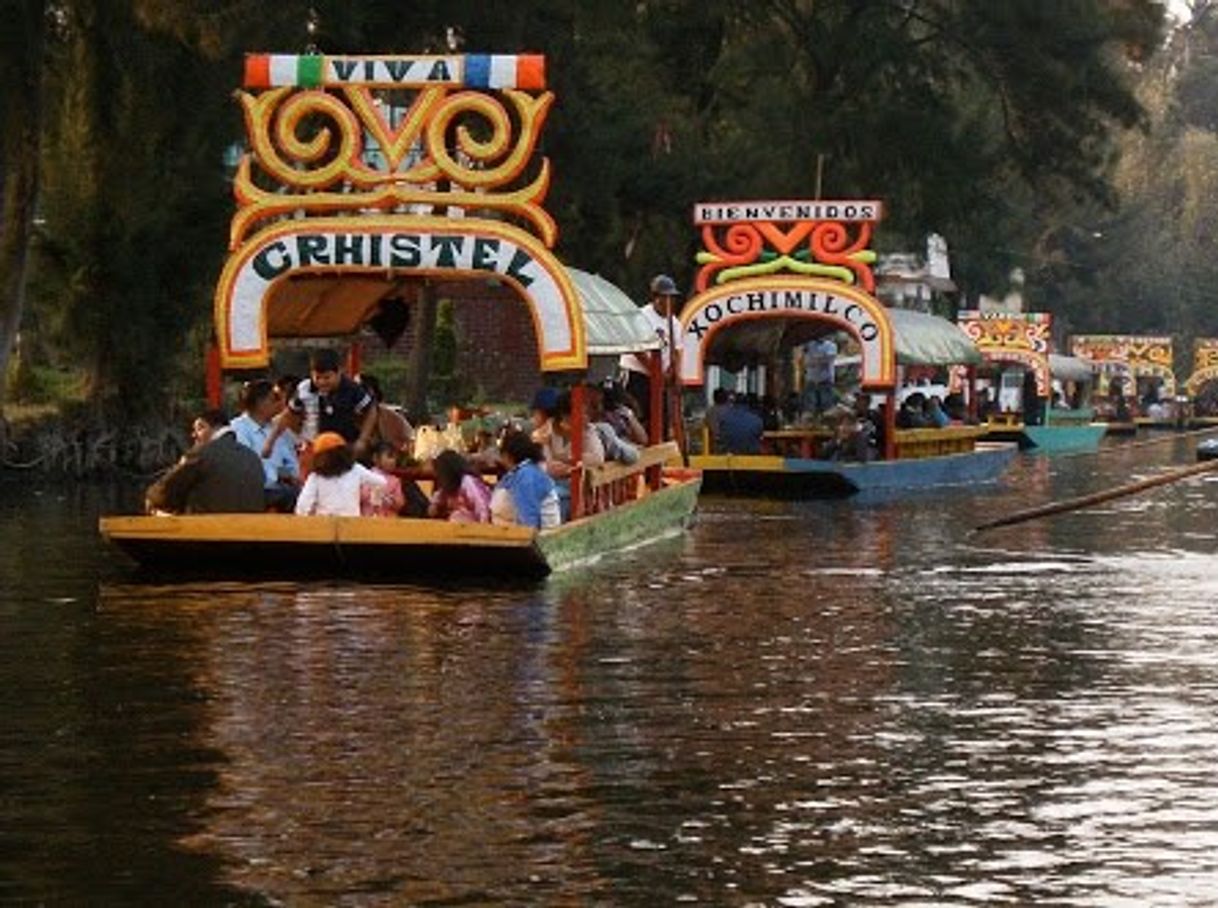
804,261
344,184
1205,365
395,247
1013,337
1144,356
837,305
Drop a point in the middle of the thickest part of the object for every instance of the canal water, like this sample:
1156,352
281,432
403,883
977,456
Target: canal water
795,704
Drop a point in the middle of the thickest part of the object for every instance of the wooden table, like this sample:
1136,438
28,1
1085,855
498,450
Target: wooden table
795,442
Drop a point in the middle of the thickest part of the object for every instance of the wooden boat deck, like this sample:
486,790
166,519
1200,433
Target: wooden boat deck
287,545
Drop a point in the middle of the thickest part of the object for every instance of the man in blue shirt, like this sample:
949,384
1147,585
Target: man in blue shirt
253,427
820,358
739,430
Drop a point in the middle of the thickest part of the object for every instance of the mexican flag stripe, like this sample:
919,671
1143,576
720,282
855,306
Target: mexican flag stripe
283,70
487,71
257,71
309,70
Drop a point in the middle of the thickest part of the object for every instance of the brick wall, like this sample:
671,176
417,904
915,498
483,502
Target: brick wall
497,347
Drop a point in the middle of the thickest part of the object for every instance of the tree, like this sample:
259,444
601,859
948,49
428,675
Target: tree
974,118
21,96
1147,265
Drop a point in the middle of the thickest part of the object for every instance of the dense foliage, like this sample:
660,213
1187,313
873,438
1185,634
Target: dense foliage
1146,264
981,120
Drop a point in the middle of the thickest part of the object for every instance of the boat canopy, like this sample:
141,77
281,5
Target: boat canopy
615,325
1071,368
339,305
927,340
920,340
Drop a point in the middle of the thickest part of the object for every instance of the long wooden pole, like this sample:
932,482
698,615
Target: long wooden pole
672,385
1087,501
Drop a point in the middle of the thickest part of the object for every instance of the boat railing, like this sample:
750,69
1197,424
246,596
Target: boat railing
614,484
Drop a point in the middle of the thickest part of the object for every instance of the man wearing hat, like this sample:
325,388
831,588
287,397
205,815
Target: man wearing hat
661,313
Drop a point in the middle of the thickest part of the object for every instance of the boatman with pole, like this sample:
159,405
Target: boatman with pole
644,385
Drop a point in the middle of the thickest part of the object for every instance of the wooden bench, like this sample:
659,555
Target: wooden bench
616,483
1008,419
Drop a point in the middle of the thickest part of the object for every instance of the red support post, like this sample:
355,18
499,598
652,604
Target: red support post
655,427
213,376
579,419
973,413
890,426
355,357
655,388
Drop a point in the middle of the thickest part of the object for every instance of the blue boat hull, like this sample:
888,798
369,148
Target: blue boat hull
799,478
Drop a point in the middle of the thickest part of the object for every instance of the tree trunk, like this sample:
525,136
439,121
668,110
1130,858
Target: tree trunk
22,144
419,371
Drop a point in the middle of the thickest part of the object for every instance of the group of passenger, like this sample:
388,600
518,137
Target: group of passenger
929,411
736,423
328,445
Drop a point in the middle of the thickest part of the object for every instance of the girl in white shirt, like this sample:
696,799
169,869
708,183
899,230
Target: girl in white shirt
333,487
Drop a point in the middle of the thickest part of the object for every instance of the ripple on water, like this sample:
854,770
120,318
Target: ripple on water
797,704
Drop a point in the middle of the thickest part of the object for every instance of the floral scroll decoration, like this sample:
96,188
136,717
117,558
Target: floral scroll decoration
1205,353
996,333
338,149
1139,355
831,249
1144,354
1022,338
1205,364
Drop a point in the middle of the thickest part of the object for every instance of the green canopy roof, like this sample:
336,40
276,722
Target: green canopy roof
614,323
927,340
1071,368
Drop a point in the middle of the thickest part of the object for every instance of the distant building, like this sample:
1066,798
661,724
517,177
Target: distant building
909,280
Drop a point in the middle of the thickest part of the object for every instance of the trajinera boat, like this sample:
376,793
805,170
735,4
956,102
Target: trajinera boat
776,275
333,220
1131,368
1017,348
1202,385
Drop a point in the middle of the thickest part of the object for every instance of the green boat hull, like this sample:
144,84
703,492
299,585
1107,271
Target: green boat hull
663,513
1062,439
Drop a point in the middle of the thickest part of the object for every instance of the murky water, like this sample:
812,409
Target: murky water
795,704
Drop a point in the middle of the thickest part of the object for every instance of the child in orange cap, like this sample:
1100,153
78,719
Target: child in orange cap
333,488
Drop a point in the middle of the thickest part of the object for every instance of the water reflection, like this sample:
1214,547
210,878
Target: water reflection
797,704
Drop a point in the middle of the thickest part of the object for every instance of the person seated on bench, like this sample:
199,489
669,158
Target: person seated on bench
525,495
219,475
740,429
459,496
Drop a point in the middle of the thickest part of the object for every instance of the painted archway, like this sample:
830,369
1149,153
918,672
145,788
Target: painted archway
1035,363
1165,374
396,246
1200,379
837,305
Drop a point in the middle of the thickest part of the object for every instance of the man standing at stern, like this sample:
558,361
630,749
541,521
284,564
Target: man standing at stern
661,313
